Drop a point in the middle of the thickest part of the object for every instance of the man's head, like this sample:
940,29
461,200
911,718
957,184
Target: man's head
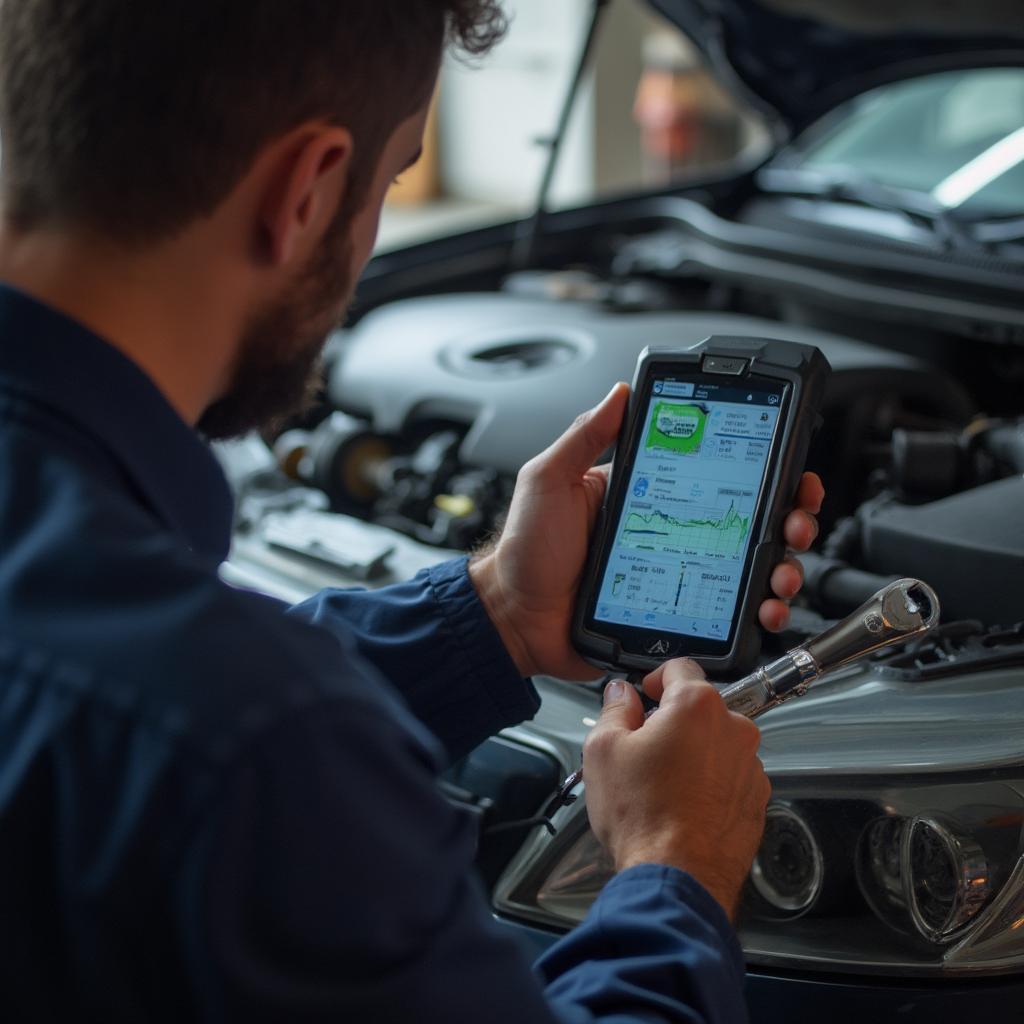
135,121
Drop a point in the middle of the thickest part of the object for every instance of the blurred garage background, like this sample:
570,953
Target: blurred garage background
647,114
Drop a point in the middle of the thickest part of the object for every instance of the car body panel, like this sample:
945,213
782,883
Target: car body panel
799,59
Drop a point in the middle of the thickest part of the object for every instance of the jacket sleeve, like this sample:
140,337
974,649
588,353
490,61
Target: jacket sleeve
654,940
328,880
431,638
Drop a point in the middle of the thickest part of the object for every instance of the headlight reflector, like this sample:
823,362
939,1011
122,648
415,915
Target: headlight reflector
946,878
789,868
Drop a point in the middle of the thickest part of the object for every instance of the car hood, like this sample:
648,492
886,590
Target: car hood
801,58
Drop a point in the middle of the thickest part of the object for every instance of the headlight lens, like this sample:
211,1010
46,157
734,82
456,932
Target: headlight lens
929,879
946,878
880,868
576,879
789,869
922,875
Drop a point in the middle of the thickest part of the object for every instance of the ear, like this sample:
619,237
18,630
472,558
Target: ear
304,189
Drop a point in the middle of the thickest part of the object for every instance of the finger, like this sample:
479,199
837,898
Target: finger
678,670
595,486
622,708
787,579
592,433
773,615
811,493
800,530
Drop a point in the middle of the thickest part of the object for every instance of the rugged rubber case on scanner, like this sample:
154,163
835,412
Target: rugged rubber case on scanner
806,371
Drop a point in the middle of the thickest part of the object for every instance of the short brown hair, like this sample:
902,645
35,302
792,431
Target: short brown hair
134,117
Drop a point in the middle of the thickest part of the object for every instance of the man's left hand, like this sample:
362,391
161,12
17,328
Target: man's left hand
528,581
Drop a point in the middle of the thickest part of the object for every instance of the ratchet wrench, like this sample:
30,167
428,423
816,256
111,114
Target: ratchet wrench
899,612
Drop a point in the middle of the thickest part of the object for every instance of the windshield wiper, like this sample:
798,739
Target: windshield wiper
955,648
843,185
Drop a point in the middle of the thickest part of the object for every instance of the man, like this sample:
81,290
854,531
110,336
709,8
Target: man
211,807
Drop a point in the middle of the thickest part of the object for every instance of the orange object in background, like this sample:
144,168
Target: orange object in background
422,182
685,119
669,112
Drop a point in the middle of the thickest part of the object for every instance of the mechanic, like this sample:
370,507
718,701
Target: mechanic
213,807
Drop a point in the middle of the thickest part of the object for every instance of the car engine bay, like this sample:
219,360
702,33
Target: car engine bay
434,403
895,837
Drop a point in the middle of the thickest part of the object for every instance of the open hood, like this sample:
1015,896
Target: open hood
801,58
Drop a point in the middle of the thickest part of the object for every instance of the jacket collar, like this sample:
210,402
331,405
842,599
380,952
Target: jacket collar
55,360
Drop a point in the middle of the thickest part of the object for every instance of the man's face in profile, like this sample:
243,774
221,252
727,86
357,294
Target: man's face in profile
278,372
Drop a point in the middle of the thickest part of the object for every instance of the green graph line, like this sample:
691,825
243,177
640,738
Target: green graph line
658,524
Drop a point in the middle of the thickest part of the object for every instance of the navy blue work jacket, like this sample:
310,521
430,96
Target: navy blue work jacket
214,808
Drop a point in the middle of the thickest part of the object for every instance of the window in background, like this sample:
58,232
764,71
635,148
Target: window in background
647,115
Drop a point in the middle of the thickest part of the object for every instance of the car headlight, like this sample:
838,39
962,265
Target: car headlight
923,871
921,879
789,869
576,879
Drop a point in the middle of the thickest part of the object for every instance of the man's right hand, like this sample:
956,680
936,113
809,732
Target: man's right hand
684,787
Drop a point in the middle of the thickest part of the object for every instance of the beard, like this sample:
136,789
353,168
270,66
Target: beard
278,373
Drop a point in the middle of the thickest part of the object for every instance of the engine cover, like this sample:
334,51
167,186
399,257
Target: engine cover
969,547
517,370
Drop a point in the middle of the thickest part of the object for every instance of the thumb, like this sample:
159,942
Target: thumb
622,708
591,434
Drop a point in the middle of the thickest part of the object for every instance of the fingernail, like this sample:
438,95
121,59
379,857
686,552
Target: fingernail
614,692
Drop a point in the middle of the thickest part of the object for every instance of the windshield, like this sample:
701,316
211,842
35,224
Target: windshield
957,137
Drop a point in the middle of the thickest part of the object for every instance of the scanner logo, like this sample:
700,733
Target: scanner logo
660,646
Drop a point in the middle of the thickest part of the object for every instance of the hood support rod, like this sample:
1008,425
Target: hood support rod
529,229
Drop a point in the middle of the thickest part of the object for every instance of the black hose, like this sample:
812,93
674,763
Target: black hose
835,588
